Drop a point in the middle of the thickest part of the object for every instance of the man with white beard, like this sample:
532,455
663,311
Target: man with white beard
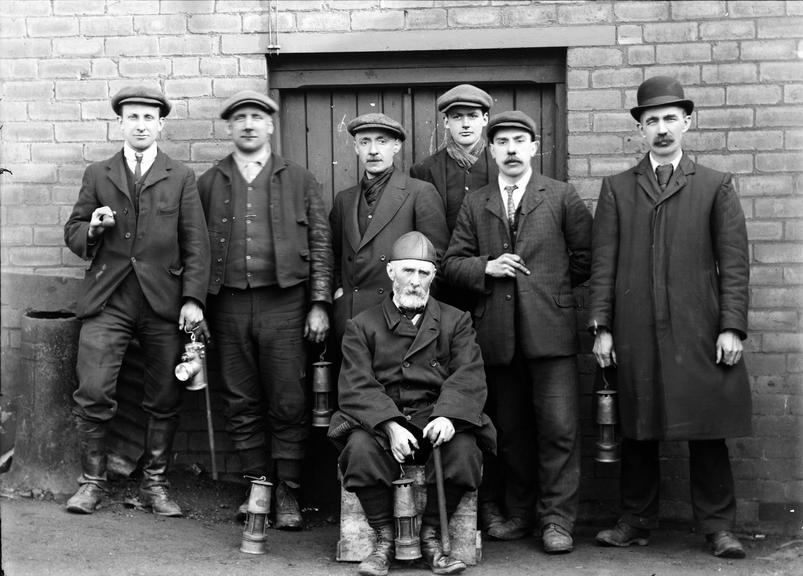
412,378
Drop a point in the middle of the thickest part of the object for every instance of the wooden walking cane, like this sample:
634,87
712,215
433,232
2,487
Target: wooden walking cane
211,432
446,544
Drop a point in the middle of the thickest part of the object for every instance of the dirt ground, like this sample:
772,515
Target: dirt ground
39,538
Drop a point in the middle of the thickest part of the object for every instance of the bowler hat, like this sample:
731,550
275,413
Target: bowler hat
413,246
247,98
464,95
140,95
660,91
376,121
511,119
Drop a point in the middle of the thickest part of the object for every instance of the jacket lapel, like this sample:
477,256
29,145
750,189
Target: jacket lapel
158,171
648,185
493,203
351,222
429,329
392,198
115,170
679,179
532,197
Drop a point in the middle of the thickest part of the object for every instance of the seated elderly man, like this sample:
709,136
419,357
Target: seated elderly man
412,378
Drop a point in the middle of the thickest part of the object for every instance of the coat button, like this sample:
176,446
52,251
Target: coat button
406,364
505,245
226,201
128,235
224,220
222,240
381,290
220,259
434,363
382,258
125,210
217,280
508,297
133,260
356,289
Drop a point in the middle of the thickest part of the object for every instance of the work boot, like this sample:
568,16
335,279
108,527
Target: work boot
154,485
378,561
432,553
490,516
623,534
514,528
288,514
725,545
92,441
556,539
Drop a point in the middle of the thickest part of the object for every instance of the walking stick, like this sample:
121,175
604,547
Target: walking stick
211,432
445,542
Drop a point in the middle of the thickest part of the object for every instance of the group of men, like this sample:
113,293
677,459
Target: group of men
486,373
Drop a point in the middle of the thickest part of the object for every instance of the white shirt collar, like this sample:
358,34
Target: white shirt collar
148,157
675,161
250,166
518,193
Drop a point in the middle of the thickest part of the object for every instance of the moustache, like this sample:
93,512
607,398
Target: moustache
512,160
663,141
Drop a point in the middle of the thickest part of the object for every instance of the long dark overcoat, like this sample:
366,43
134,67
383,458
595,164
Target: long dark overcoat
553,240
670,272
383,377
167,246
406,204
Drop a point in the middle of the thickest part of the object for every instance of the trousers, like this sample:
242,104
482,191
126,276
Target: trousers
258,334
711,482
102,345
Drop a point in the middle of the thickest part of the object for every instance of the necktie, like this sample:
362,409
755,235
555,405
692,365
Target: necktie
511,209
138,169
664,173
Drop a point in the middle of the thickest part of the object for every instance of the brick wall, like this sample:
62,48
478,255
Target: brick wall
60,61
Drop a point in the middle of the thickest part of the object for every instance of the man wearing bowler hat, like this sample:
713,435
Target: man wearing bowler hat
139,222
270,288
520,245
367,218
668,307
411,379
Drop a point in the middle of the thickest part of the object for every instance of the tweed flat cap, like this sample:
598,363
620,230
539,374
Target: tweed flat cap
413,246
376,121
660,91
140,95
247,98
511,119
465,95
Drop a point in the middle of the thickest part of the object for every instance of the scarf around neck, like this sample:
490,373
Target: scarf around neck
373,188
464,158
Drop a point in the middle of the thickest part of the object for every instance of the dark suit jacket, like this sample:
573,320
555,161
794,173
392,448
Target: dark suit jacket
670,272
167,246
433,169
383,377
360,263
535,312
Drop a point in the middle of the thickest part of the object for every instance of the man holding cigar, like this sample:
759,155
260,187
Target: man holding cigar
139,222
520,244
411,381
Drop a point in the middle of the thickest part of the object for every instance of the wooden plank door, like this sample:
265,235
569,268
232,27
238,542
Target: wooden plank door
312,125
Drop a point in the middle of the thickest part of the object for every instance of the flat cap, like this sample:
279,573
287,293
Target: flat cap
660,91
247,98
140,95
465,95
413,246
511,119
376,121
